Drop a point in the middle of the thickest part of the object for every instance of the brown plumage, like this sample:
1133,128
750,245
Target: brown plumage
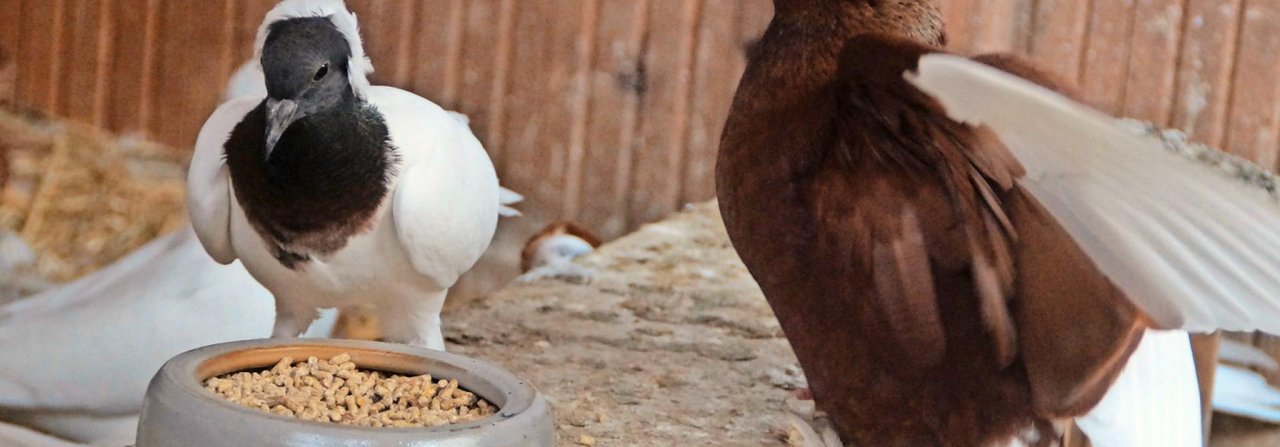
929,299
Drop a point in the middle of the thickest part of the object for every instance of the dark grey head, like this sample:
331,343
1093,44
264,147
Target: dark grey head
305,64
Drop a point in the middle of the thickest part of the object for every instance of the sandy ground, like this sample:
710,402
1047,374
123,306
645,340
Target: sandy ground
671,344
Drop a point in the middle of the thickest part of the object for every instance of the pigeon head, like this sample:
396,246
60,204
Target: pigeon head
919,20
305,62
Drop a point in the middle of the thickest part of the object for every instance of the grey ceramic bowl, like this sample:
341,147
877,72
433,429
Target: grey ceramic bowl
178,411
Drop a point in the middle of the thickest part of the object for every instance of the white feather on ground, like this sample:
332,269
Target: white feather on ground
1240,354
77,358
1241,391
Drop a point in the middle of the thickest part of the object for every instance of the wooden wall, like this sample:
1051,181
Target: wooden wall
608,112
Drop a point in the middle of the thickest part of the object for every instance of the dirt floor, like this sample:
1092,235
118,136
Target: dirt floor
672,344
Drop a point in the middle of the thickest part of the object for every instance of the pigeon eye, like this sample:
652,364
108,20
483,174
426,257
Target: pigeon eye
320,74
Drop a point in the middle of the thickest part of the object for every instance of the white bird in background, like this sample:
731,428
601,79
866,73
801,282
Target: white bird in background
550,253
333,192
85,380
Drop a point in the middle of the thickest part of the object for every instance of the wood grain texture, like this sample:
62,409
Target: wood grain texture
10,39
36,57
1211,31
246,27
664,110
615,85
82,43
390,42
436,55
715,79
541,103
1105,67
180,111
973,27
1157,33
1057,38
1253,120
130,82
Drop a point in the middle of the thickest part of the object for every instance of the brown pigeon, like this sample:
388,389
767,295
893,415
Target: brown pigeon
961,255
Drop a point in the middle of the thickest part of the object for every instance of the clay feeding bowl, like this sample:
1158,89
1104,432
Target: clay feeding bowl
179,411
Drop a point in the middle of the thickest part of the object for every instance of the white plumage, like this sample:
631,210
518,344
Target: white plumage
433,226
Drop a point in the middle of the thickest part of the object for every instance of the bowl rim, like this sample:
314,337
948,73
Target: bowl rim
182,370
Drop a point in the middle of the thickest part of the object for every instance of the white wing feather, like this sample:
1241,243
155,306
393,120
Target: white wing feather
446,199
1192,246
209,184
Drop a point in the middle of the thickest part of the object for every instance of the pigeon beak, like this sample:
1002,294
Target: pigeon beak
281,113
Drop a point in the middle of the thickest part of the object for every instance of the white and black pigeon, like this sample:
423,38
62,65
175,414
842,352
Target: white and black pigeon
333,192
248,80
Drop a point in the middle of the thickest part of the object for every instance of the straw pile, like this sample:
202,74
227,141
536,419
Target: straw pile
82,197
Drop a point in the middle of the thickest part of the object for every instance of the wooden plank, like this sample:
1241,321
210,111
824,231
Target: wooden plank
615,86
186,86
102,66
38,53
387,27
1057,36
1204,73
10,41
541,103
1253,126
1157,31
664,111
1105,67
1271,345
131,78
585,47
980,26
84,54
716,74
754,16
1204,351
438,51
251,14
487,35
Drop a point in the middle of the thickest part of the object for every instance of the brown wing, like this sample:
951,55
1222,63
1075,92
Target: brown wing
918,201
1076,327
1039,298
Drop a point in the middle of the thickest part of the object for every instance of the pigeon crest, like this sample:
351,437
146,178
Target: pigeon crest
344,20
